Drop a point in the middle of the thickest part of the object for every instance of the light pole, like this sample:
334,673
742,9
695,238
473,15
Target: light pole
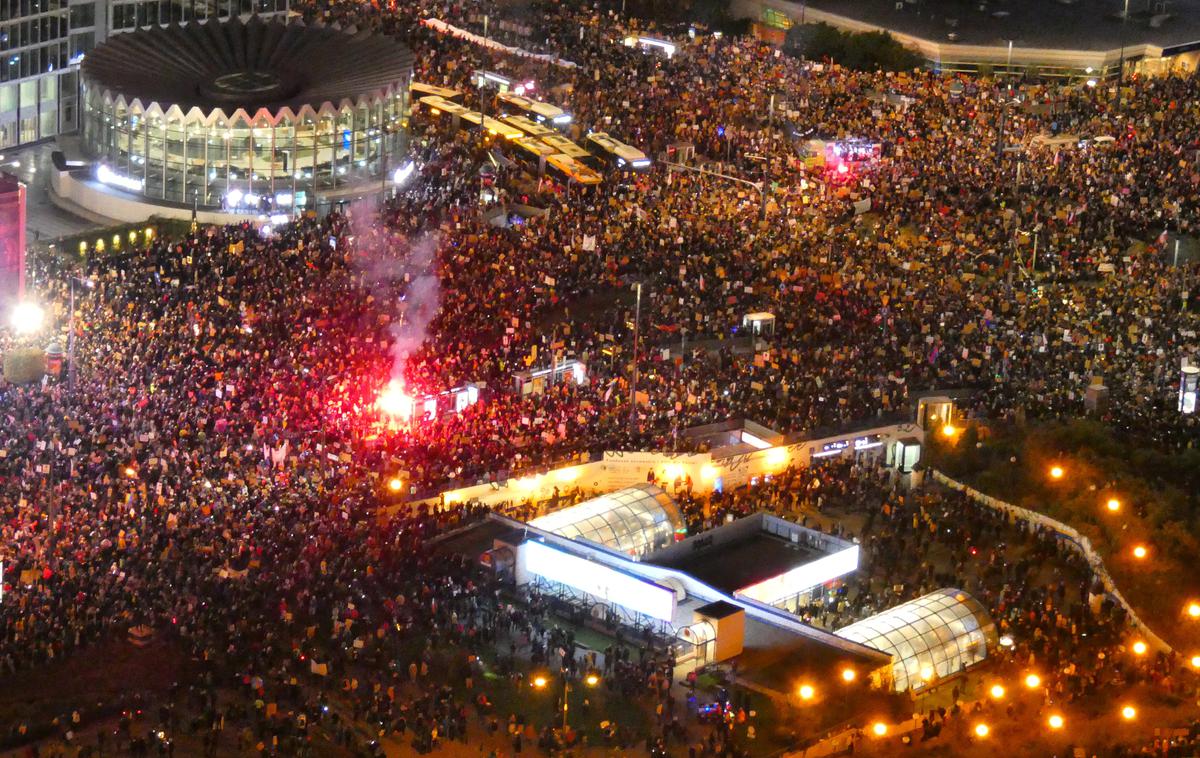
1121,62
760,186
71,330
637,319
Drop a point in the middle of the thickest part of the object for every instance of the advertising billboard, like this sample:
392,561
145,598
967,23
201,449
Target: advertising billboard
599,581
802,578
12,241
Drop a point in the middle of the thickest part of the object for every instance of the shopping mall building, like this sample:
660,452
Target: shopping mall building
43,42
1070,39
259,118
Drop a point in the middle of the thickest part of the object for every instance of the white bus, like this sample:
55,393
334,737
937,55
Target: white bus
616,153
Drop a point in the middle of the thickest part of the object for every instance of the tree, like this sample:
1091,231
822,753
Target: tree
860,51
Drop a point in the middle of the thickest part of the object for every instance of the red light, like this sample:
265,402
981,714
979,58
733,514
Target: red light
394,402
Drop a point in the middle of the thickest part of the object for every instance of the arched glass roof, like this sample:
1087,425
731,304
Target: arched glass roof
634,520
934,636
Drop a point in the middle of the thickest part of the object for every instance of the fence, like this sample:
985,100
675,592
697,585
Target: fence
1081,543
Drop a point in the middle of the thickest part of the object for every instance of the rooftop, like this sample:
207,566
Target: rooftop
248,64
1061,24
735,565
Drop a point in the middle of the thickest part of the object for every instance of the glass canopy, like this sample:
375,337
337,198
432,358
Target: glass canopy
635,520
934,636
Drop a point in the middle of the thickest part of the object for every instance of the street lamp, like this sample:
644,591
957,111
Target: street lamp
1055,722
1193,610
1129,713
997,691
1057,472
807,692
1140,552
848,675
1033,681
982,730
1113,504
1139,648
879,729
27,318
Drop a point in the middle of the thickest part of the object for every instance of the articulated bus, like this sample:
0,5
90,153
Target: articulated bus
572,170
494,126
532,153
531,129
616,153
567,148
467,120
439,107
420,90
533,109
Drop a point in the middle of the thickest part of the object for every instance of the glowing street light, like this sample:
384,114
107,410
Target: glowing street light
1033,681
1129,713
592,680
982,730
27,318
1193,610
997,691
949,430
807,692
1139,648
1055,722
879,729
849,675
1113,504
1056,472
1196,661
539,682
1140,552
394,484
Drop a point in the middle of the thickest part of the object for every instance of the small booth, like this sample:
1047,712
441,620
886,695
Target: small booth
903,454
935,412
760,324
534,382
1189,384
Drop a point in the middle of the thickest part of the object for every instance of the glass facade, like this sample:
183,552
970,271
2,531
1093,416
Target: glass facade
43,41
263,163
929,638
126,15
635,520
34,70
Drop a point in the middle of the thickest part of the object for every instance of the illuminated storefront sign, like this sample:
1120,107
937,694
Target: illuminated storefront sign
599,581
803,578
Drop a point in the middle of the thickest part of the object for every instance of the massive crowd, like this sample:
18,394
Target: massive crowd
218,467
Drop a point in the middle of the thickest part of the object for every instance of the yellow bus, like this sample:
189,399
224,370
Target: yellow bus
533,109
572,170
420,90
529,127
567,147
532,153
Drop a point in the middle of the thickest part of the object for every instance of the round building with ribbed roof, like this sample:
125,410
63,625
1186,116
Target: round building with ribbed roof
257,116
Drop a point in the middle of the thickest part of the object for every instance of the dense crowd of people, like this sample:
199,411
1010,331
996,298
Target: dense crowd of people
216,465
